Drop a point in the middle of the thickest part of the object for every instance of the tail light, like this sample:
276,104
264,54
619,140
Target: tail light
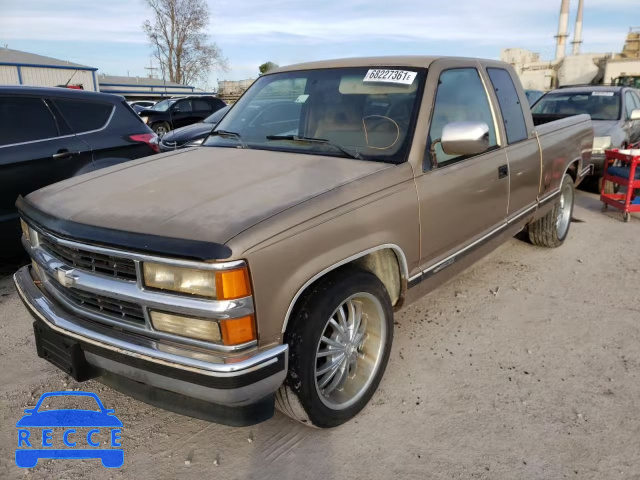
150,139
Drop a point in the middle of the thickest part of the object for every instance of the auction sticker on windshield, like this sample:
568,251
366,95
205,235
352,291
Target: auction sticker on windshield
390,76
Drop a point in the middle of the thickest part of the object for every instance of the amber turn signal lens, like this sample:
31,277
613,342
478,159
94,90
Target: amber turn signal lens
232,284
238,330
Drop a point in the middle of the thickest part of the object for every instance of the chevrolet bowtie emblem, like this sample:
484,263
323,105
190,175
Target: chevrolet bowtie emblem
65,276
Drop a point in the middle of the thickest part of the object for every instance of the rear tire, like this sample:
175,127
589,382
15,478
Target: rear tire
609,187
161,129
551,230
339,344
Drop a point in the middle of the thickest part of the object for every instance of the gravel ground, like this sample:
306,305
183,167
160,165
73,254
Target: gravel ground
540,380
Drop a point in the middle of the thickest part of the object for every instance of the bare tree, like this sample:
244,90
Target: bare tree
181,46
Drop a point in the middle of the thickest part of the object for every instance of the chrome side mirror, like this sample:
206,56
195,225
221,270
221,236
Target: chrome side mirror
635,114
465,138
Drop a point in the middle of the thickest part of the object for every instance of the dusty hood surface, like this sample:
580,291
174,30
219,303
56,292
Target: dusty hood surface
207,194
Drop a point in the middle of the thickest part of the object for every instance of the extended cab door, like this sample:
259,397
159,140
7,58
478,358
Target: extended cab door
522,149
462,198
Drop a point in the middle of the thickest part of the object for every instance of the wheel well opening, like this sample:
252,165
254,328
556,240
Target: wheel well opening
385,265
573,170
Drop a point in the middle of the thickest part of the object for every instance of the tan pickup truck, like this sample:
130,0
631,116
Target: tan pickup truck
263,268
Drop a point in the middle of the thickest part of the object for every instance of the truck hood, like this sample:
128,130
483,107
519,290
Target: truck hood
206,194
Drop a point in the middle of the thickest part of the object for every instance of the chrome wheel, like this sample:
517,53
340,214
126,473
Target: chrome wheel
564,210
350,351
161,131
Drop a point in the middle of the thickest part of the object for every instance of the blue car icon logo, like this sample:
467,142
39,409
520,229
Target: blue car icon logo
83,433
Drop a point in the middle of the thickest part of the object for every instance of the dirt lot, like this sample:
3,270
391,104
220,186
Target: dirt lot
540,380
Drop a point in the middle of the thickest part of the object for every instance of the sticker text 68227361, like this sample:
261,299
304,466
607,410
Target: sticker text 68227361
390,76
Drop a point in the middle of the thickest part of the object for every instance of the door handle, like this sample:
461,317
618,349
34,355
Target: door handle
61,154
503,171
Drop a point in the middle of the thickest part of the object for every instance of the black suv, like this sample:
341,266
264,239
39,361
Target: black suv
179,112
50,134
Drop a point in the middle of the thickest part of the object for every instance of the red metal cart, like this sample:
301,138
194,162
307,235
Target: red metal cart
627,175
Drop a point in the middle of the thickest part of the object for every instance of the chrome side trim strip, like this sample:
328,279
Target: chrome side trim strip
548,196
450,260
135,346
402,261
436,267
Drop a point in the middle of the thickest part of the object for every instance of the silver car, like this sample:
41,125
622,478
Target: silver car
615,112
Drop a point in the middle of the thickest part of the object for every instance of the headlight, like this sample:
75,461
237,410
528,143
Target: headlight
600,144
201,329
219,284
232,331
194,143
145,119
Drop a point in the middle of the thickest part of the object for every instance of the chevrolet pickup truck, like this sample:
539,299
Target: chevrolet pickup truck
262,269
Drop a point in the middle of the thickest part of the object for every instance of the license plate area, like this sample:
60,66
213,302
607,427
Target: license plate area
64,353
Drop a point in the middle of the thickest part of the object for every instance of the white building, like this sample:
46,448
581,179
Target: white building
23,68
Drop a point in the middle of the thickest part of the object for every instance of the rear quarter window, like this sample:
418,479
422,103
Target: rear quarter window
25,119
83,115
510,106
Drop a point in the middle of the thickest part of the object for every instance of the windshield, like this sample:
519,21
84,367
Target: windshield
215,117
163,105
600,104
361,112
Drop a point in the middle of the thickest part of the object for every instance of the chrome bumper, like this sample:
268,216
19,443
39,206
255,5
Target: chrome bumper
232,381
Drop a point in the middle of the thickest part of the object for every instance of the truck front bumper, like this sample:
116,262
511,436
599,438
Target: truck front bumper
235,391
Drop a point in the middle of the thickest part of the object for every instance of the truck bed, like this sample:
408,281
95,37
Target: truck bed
563,140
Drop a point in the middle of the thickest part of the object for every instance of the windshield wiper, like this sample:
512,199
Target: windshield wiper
228,134
323,141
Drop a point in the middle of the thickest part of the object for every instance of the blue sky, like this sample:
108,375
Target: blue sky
106,34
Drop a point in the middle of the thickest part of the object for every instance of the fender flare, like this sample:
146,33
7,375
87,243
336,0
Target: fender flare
402,263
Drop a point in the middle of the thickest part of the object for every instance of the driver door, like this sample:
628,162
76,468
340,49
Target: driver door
462,198
182,113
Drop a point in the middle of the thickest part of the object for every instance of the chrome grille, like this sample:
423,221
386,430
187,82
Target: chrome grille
122,268
109,307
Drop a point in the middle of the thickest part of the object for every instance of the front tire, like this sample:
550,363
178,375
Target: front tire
339,344
551,230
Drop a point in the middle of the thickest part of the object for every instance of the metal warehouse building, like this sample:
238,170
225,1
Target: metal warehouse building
142,88
23,68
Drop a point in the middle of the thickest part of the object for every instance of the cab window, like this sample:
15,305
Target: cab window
461,97
183,106
510,106
25,119
629,104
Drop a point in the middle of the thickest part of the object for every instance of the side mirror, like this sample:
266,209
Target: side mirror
635,114
465,138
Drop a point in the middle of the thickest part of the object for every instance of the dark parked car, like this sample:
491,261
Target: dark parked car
615,112
50,134
192,135
174,113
